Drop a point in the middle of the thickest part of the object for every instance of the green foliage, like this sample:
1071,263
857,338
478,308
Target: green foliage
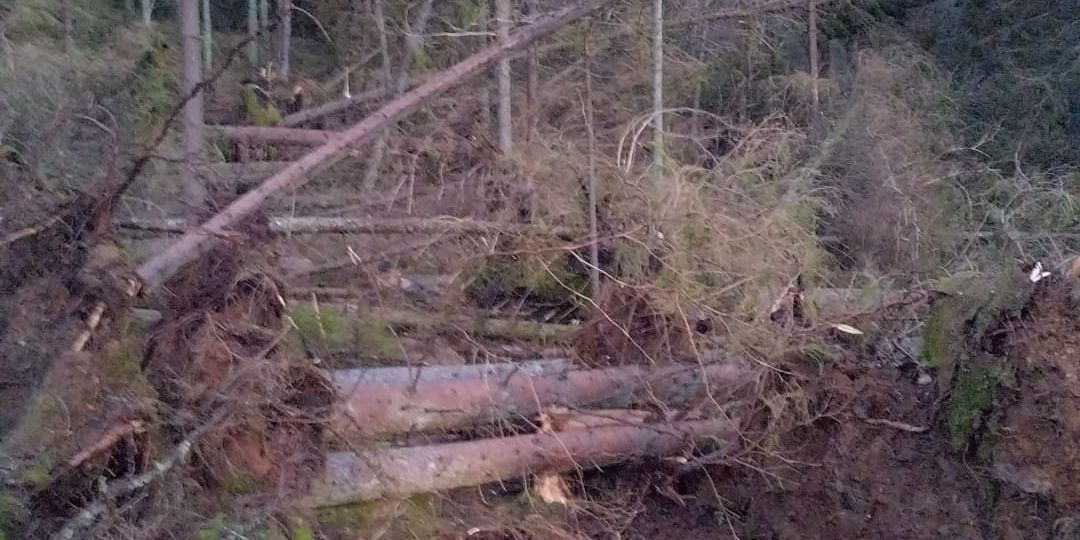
9,516
972,397
37,474
416,517
260,111
553,280
333,328
154,91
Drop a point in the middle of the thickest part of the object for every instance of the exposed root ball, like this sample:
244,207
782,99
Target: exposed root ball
227,358
628,328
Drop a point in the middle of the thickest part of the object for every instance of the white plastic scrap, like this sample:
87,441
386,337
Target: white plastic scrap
1037,273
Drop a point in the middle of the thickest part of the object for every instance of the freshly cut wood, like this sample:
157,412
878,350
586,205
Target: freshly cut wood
348,379
344,225
350,477
382,408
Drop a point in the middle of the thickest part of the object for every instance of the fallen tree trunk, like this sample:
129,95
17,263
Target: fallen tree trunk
331,107
351,378
157,270
397,472
479,327
238,172
342,225
280,135
370,409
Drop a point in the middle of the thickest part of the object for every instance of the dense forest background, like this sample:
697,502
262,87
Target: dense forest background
645,185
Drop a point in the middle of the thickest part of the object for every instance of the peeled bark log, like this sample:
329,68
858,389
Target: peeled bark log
350,378
322,225
160,268
351,477
382,408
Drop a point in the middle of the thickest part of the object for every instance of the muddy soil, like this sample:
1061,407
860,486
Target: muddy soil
848,474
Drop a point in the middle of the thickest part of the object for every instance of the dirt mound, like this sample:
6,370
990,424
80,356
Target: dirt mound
989,452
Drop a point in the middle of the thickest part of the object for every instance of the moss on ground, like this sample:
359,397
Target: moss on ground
417,517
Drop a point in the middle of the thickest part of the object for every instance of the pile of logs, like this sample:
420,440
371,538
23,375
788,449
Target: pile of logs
600,417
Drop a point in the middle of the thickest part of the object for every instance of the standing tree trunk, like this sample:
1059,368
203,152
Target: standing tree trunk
194,136
502,27
147,11
594,248
658,86
253,29
69,26
815,104
413,41
207,39
384,46
533,111
285,18
195,242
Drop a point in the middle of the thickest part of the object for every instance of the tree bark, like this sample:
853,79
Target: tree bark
373,409
533,112
207,40
284,43
68,14
253,30
658,86
413,41
147,11
331,107
194,132
158,269
594,235
344,225
503,22
384,46
348,380
351,477
815,104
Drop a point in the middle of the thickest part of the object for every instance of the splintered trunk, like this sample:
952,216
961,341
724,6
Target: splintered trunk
284,43
384,46
413,42
252,47
502,27
658,85
371,409
393,472
207,39
194,131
